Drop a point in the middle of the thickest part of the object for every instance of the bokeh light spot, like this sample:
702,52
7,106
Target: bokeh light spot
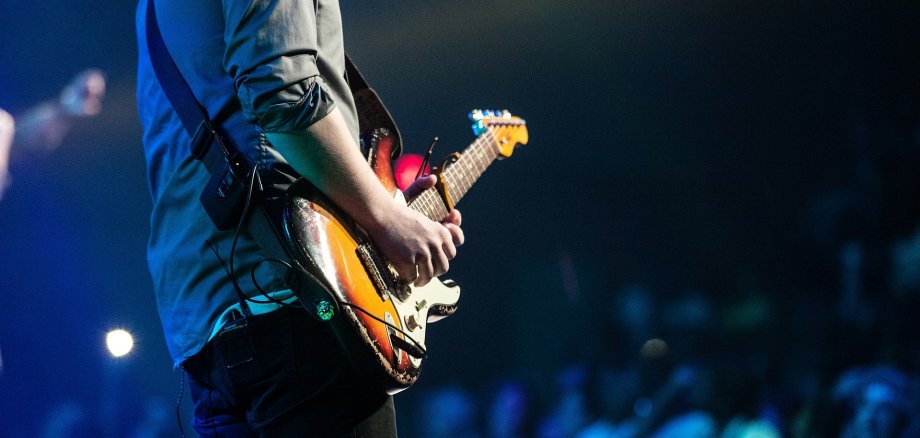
119,342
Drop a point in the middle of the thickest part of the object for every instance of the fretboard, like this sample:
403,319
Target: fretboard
459,176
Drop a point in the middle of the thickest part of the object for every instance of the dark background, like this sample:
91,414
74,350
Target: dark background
728,154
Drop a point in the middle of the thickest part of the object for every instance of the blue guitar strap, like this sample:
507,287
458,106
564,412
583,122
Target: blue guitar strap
224,196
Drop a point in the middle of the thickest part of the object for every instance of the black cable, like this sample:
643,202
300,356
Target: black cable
401,331
230,269
340,303
236,237
426,159
269,298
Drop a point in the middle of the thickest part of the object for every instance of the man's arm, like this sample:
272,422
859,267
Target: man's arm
271,54
326,154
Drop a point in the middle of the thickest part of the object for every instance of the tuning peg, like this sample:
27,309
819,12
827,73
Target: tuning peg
479,127
475,115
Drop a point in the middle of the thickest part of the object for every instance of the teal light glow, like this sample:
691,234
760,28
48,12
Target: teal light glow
325,310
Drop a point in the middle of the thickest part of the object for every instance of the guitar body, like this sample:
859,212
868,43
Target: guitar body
380,321
339,276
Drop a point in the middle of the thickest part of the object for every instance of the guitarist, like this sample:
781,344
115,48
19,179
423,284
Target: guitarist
271,75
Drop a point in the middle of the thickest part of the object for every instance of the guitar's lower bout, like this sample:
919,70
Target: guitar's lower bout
380,323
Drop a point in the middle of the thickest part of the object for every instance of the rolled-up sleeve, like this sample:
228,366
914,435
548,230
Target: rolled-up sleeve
271,56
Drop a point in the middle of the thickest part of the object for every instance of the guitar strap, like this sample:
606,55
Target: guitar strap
226,195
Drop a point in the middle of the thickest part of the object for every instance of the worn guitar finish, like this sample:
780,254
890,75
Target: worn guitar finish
380,320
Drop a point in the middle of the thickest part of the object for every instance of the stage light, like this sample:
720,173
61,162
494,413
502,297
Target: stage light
119,342
406,168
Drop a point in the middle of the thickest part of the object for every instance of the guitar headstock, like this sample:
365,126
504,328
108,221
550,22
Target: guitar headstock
509,131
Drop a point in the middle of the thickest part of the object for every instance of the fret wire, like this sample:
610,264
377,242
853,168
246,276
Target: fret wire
430,203
463,180
440,211
431,199
453,175
470,167
438,205
464,176
422,205
467,180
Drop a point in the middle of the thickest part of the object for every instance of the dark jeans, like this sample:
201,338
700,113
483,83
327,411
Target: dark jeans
283,375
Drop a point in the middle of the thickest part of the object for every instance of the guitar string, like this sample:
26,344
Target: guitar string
470,166
475,156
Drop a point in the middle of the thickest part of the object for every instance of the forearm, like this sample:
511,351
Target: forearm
326,154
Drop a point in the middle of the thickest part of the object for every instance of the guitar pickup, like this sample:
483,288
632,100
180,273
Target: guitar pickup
370,259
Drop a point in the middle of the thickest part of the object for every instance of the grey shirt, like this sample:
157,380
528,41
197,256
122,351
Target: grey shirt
283,62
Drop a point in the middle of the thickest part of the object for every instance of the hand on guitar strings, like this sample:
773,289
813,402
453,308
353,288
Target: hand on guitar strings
431,245
453,219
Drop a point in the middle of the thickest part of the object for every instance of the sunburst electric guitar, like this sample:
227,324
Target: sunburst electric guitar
379,319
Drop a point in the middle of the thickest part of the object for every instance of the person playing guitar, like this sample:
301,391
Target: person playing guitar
272,76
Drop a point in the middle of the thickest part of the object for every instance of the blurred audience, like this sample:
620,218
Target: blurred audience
877,401
511,411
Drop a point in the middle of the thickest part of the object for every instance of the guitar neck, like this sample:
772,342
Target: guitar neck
459,177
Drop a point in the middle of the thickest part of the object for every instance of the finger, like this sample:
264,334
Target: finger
456,234
441,263
450,250
418,186
425,273
407,272
453,217
447,247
